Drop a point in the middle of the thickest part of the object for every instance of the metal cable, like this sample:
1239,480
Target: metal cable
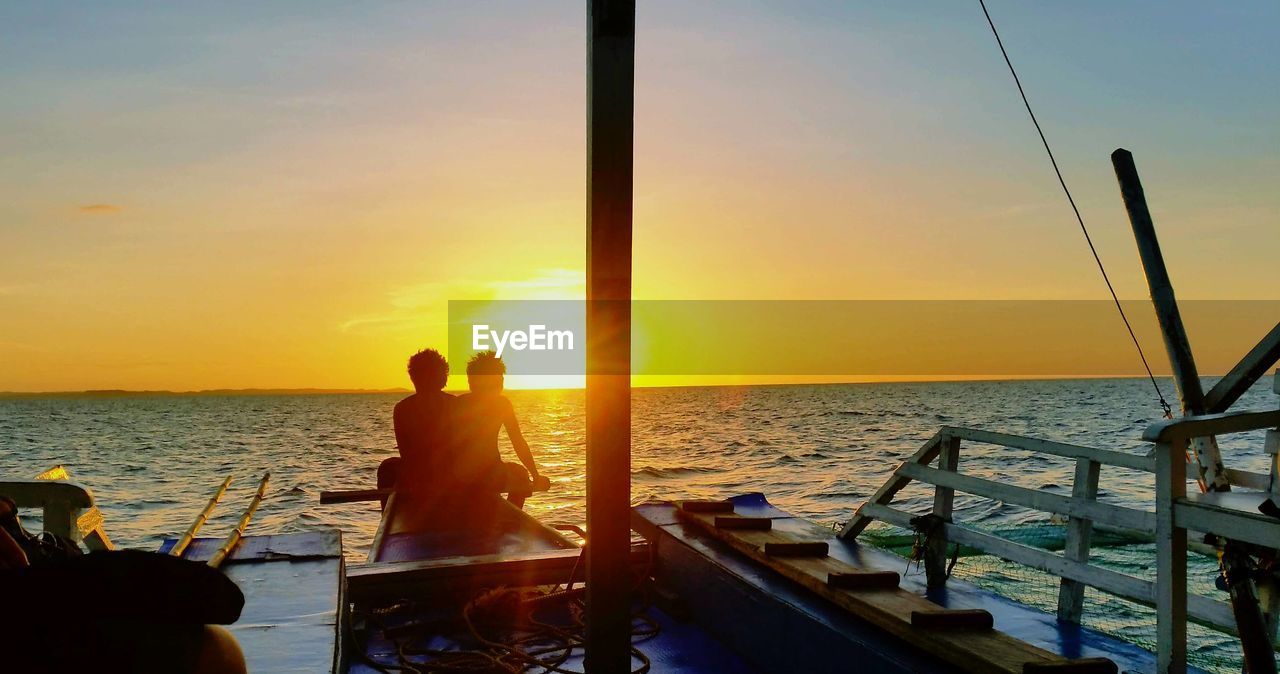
1164,404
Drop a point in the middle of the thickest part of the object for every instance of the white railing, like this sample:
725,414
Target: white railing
1168,524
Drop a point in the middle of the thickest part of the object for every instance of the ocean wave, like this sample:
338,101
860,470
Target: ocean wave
675,471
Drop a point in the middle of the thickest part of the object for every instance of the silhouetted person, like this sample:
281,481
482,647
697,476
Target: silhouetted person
423,424
480,415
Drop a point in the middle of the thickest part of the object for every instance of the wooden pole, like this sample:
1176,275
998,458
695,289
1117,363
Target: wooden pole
610,133
1255,644
1247,372
1185,376
233,539
180,545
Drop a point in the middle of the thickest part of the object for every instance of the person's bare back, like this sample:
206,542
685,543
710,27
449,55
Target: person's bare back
479,417
423,425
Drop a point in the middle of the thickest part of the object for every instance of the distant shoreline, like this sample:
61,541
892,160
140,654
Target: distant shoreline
122,393
247,392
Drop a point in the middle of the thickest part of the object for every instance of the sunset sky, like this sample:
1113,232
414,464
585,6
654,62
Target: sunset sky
288,194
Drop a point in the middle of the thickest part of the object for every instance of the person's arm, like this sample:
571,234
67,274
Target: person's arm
517,439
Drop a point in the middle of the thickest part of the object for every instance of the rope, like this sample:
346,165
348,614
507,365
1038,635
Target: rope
1164,404
505,634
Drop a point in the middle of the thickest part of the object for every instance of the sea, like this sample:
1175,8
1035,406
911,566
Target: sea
818,451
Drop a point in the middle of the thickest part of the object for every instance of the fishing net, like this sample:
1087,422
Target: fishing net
1207,649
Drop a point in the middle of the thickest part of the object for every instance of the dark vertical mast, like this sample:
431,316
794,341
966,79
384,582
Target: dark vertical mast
610,106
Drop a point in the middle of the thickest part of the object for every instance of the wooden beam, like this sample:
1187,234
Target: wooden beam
1210,424
706,506
384,580
740,522
1077,666
1171,561
1250,368
1079,534
611,41
953,619
797,549
1185,376
1106,456
891,487
1035,498
353,495
864,580
935,553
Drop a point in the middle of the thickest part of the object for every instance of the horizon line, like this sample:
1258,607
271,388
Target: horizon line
314,390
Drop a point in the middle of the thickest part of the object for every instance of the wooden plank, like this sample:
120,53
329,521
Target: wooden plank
1210,424
706,506
1079,533
889,609
1231,515
1106,456
392,580
1034,498
797,549
953,619
1078,666
891,487
864,580
40,493
1248,479
90,531
739,522
1250,368
353,495
935,553
1171,561
382,580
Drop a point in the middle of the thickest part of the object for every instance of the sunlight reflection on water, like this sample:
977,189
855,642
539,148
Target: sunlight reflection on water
818,451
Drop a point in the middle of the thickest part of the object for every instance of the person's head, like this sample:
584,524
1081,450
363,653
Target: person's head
484,372
428,370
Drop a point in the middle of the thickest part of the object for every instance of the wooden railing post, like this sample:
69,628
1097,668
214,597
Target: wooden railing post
935,554
1171,559
1079,533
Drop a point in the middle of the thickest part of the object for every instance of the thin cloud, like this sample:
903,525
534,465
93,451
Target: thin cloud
100,209
423,305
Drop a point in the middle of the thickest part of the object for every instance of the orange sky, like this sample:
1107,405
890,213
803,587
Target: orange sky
288,197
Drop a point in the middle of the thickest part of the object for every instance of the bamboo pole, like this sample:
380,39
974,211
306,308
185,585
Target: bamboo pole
1185,376
233,539
181,545
610,132
1259,657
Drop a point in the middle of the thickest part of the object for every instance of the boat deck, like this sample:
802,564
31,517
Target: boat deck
445,554
738,599
293,598
677,648
416,531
